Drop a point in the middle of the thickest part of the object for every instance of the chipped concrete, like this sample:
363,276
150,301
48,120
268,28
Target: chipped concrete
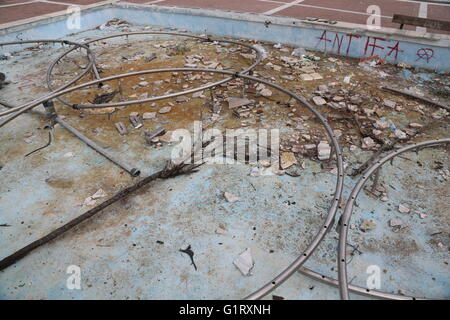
124,252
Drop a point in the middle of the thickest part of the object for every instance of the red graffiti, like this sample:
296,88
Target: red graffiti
350,38
395,49
373,45
425,54
338,42
323,37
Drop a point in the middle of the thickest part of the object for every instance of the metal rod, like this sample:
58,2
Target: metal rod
167,172
21,109
9,106
4,113
345,219
355,289
51,113
437,104
91,58
53,95
130,169
259,58
327,224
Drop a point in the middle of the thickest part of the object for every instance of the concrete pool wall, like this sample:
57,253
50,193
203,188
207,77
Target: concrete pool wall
429,51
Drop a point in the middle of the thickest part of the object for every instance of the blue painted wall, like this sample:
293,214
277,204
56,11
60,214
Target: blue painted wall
432,57
414,54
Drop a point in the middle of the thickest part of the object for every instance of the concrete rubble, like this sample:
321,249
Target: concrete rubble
287,160
403,209
230,197
367,225
244,262
365,120
91,200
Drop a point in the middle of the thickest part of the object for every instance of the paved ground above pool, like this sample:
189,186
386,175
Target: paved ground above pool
352,12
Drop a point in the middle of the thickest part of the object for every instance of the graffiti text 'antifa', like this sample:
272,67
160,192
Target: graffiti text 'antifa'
342,43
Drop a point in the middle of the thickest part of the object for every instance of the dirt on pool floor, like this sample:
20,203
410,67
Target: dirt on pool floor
352,107
130,249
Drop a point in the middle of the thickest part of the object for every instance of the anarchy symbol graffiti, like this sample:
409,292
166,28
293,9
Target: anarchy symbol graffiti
425,54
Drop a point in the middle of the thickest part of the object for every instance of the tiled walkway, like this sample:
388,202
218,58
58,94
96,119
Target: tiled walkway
350,11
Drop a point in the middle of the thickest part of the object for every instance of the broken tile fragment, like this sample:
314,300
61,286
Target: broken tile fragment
319,100
298,52
264,163
422,215
289,60
135,120
220,230
316,76
389,103
91,200
148,115
306,77
381,124
395,222
415,125
244,262
337,133
377,132
400,134
367,143
294,171
307,70
29,139
403,209
181,99
121,128
234,103
165,110
323,88
287,159
230,197
352,107
198,94
265,92
367,225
